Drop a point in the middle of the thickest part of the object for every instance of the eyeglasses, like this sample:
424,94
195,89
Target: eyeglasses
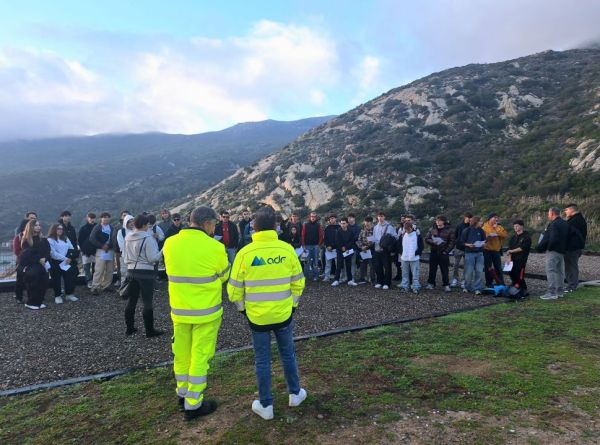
176,219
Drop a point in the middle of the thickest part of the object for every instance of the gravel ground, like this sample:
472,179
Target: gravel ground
88,336
589,266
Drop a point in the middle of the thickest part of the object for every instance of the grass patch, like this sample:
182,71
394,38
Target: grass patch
529,364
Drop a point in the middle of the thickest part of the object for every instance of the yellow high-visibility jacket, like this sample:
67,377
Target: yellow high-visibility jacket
266,279
196,267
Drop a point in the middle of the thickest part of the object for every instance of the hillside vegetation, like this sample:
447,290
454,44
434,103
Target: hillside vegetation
514,137
135,172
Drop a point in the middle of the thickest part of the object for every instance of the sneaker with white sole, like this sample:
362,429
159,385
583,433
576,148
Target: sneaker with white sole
72,298
335,283
89,285
351,283
465,291
385,287
378,286
58,300
454,283
415,291
430,286
265,413
549,296
477,292
447,289
297,399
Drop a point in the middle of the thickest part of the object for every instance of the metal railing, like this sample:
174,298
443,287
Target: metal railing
7,261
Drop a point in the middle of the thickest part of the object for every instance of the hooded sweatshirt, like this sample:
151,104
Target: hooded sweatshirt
146,255
120,237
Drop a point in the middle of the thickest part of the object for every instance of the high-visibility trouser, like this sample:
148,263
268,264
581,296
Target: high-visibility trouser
193,346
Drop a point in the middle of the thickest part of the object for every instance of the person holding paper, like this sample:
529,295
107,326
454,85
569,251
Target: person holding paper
473,239
365,245
345,245
382,257
104,238
519,246
35,251
441,239
411,248
329,241
62,255
492,250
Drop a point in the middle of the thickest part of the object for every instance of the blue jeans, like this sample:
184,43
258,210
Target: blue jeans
231,252
473,270
287,353
312,262
408,268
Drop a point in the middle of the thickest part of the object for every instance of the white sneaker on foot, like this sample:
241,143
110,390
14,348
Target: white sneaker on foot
89,285
335,283
385,287
549,296
378,286
429,286
297,399
447,289
351,283
29,306
454,283
265,413
58,300
72,298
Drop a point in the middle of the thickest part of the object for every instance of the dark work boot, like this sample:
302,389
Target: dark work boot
208,407
149,324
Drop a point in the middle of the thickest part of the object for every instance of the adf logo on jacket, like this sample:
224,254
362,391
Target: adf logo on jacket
259,261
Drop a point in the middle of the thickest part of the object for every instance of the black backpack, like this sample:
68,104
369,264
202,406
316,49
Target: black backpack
388,243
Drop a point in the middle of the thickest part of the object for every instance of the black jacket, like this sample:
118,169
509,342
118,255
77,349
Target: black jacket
458,232
31,255
84,236
578,234
98,238
345,239
234,236
288,230
445,233
172,230
329,236
524,242
556,237
71,233
469,236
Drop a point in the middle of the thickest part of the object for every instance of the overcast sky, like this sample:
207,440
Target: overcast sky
69,68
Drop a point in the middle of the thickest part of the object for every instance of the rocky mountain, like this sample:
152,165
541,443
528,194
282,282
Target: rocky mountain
513,136
135,172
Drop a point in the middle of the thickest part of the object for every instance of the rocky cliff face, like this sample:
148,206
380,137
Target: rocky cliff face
475,137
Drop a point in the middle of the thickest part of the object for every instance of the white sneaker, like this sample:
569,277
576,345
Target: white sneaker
43,306
35,308
430,286
89,285
454,283
265,413
58,300
72,298
385,287
335,283
477,292
351,283
549,297
378,286
297,399
447,289
465,291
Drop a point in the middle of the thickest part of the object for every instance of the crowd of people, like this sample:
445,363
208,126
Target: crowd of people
264,261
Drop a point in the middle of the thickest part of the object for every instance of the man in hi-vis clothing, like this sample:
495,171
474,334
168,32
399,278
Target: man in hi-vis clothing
266,283
197,267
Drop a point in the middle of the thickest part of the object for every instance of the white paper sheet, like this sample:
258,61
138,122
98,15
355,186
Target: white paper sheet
492,234
348,252
64,266
47,266
366,255
479,243
508,266
106,256
437,240
330,254
299,251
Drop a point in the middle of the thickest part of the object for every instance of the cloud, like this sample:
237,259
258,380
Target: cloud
175,86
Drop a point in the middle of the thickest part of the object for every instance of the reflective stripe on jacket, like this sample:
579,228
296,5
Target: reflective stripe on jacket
197,267
266,279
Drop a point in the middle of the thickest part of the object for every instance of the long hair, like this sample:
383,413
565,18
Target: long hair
53,232
28,233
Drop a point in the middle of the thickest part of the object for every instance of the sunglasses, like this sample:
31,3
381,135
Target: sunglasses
176,219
